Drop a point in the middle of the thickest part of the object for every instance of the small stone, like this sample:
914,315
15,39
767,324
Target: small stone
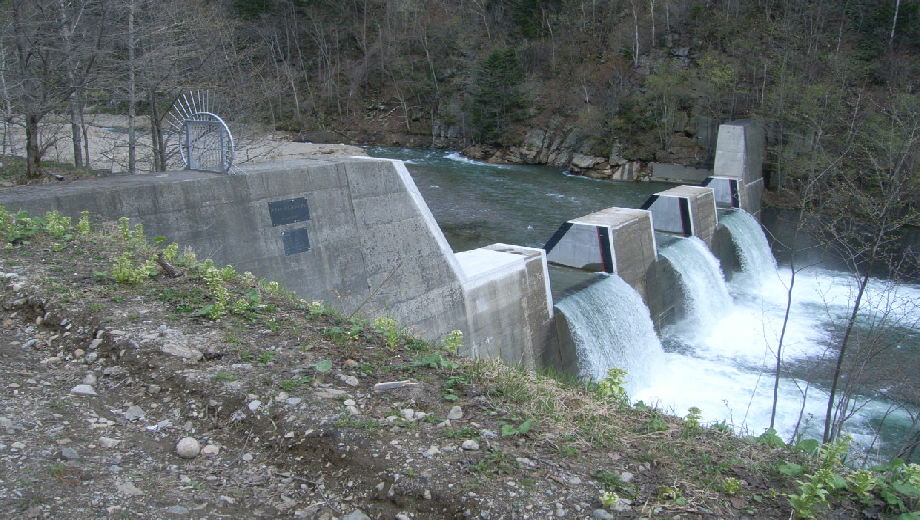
83,390
134,413
488,434
626,477
153,389
247,457
182,351
94,344
108,442
349,402
575,480
470,445
188,448
90,379
77,354
357,514
621,505
350,363
5,422
403,516
177,510
350,380
427,494
254,405
432,451
17,445
70,454
128,488
602,514
91,357
455,413
210,450
293,401
408,414
114,371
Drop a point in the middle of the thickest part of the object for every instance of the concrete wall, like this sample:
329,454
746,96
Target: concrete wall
508,299
666,172
354,233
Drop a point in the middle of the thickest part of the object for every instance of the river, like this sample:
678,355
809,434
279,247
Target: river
721,363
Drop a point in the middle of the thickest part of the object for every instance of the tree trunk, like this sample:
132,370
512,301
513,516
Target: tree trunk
132,101
33,154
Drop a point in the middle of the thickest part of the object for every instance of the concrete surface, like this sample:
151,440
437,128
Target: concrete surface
613,240
508,303
685,211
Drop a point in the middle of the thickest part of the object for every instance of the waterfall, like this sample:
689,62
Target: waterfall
611,327
700,278
757,260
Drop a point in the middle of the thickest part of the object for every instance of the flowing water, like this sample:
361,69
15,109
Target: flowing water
700,278
721,358
757,262
631,345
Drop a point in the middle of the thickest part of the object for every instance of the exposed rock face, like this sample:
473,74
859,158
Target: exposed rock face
561,144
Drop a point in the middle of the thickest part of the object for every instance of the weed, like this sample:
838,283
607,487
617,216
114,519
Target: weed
390,330
731,486
613,386
499,463
609,498
224,376
453,342
266,358
692,422
96,307
509,430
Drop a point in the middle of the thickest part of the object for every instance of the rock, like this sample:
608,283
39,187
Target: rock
455,413
182,351
488,434
210,450
470,445
177,510
91,357
357,514
621,505
114,371
90,379
431,452
408,414
254,405
108,442
626,477
5,422
83,390
602,514
70,454
349,380
188,448
78,353
128,488
134,413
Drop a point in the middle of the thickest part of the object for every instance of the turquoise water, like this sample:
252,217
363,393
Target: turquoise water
477,204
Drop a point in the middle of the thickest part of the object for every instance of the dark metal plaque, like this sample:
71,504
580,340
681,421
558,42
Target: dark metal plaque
288,211
295,241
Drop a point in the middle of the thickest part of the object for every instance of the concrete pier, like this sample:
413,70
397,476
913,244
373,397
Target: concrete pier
740,155
613,240
508,303
686,211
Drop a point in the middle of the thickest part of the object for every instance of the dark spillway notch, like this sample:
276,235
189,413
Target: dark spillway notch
295,241
289,211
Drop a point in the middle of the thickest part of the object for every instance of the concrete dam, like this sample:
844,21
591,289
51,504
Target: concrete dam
357,234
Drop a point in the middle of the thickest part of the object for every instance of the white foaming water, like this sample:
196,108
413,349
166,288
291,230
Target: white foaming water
757,260
611,327
701,280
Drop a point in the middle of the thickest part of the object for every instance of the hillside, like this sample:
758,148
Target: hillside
144,382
